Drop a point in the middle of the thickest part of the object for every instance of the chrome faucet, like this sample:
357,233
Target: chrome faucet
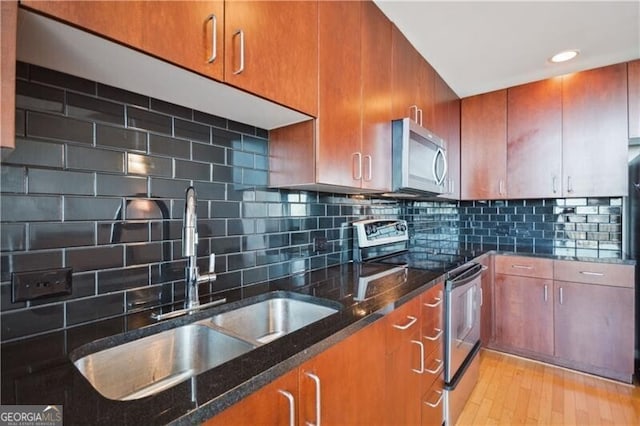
190,251
192,276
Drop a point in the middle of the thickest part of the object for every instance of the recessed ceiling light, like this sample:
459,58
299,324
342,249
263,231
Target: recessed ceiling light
564,56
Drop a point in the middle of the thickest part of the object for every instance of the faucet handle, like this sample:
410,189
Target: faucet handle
211,275
212,262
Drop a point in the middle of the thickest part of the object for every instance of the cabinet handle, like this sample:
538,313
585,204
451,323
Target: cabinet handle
316,379
595,274
421,357
292,406
553,181
415,120
420,116
370,168
501,187
436,337
569,186
241,34
214,37
522,266
357,155
438,401
481,297
412,320
561,296
546,292
437,302
437,369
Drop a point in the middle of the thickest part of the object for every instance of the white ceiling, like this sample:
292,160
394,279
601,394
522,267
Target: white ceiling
480,46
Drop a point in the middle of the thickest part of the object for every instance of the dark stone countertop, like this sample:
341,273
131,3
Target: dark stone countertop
40,371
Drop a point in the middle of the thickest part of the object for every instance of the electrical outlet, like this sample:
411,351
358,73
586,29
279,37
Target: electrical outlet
38,284
319,244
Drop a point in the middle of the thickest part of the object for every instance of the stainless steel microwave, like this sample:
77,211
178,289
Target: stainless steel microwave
419,160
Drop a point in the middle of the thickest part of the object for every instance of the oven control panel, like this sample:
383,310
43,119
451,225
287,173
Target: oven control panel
375,232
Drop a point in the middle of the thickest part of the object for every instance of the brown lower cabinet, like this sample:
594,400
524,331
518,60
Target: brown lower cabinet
330,389
388,373
581,316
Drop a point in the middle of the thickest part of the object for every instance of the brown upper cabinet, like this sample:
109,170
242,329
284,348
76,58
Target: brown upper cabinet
565,137
534,140
633,69
594,132
348,148
268,48
9,21
446,124
483,145
412,82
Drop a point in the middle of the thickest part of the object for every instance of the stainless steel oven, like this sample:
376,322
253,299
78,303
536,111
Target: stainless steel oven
462,337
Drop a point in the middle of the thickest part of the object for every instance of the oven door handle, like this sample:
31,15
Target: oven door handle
457,282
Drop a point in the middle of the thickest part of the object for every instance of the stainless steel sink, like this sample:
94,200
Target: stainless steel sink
265,321
151,364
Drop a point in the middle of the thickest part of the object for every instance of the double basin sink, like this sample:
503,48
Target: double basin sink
151,364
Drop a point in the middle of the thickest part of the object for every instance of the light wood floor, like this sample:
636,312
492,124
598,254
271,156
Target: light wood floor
514,391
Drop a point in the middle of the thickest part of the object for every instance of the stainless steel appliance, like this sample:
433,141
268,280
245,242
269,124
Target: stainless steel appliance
386,242
419,161
462,337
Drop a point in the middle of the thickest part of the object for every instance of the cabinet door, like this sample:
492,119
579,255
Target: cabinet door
279,40
9,20
426,93
633,69
594,326
403,383
184,32
484,146
271,405
339,157
446,124
534,140
350,379
376,98
432,405
524,313
404,71
594,132
118,20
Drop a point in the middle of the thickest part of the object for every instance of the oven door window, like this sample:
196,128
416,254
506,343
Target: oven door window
465,317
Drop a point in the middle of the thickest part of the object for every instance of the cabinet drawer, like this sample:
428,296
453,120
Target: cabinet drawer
524,266
402,324
433,405
433,365
594,273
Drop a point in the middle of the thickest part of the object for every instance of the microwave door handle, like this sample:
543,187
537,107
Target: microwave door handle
439,152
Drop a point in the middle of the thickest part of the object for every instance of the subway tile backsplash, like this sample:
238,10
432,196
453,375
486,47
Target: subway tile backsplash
583,227
97,180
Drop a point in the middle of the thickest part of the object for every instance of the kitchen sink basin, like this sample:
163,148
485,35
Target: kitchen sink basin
151,364
265,321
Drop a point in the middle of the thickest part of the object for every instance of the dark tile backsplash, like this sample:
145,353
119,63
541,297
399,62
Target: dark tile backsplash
97,180
584,227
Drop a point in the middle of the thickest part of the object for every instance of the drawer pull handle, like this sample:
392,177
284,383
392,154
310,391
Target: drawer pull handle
316,380
436,337
438,401
595,274
438,302
437,369
522,267
292,406
412,320
421,357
